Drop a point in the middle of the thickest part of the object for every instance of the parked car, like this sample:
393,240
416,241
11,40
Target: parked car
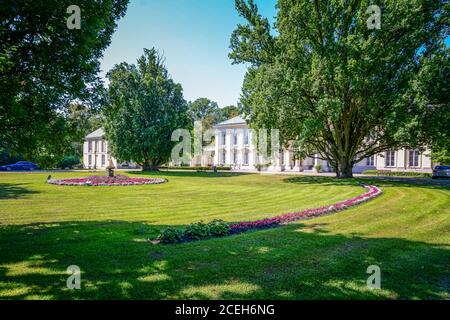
441,172
19,166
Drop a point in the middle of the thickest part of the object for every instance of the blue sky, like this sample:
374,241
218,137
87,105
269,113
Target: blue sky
193,35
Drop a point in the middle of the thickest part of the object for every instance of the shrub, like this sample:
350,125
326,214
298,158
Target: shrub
318,167
171,235
218,228
389,173
223,168
262,166
197,230
68,162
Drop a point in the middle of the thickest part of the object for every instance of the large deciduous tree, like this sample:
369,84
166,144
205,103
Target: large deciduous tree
333,82
44,66
144,107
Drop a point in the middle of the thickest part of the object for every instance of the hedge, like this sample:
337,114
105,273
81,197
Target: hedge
389,173
194,168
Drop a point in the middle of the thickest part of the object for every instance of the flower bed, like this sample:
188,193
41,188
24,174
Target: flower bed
118,180
179,235
239,227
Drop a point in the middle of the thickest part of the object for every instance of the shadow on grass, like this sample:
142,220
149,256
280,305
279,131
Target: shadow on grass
293,262
14,191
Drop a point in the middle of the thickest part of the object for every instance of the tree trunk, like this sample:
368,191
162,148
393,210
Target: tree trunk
344,170
150,166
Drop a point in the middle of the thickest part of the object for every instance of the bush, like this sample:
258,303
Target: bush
218,228
197,231
171,235
318,167
68,162
389,173
260,166
194,168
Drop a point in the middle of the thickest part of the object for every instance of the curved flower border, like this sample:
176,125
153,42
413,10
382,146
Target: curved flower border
176,236
272,222
92,181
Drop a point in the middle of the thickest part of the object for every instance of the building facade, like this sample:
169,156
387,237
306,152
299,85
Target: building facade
233,147
96,153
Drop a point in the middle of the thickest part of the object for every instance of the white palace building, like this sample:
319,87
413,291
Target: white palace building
233,147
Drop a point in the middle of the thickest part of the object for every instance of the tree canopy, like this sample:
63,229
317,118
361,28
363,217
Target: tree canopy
339,88
144,106
45,66
207,111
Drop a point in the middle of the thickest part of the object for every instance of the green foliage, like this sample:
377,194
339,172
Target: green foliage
209,112
440,155
7,158
171,235
389,173
329,82
262,166
218,228
68,162
44,66
198,230
144,107
318,167
195,231
195,168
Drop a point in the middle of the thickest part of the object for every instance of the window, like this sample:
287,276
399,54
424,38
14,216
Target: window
103,146
246,157
224,136
370,161
234,156
103,159
414,158
390,158
245,136
90,160
89,146
224,157
235,138
282,158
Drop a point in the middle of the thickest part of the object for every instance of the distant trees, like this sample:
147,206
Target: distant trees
207,111
143,107
44,67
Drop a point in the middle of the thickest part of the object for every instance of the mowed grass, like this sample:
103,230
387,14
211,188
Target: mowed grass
105,231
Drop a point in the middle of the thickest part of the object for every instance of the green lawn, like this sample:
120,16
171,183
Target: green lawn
45,228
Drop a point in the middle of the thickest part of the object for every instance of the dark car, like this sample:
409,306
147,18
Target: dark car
19,166
441,172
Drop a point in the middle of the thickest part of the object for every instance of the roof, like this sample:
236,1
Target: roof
232,121
99,133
